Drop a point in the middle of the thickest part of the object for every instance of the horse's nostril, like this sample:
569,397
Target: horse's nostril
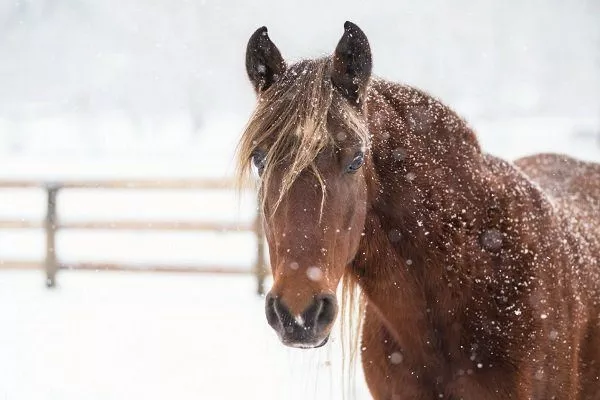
271,310
327,309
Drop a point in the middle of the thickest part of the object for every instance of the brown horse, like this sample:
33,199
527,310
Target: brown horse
480,278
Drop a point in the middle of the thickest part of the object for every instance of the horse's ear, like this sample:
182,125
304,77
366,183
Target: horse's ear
352,63
264,63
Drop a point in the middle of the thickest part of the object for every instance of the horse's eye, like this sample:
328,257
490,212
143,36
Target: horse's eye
356,163
259,160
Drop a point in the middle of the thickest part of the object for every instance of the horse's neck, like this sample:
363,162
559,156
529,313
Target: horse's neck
388,279
439,214
425,183
407,287
426,176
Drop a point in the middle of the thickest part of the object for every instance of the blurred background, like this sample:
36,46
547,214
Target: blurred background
127,112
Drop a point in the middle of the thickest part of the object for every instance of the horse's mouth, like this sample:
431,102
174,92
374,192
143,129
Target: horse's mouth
304,345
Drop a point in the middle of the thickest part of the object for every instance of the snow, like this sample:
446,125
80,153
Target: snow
396,358
491,239
124,336
314,273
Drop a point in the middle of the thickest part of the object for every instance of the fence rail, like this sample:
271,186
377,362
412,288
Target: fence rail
52,224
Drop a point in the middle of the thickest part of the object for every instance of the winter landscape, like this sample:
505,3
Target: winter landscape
101,90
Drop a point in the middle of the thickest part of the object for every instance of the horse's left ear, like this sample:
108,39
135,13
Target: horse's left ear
264,63
352,63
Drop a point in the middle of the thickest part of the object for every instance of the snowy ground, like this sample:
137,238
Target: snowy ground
151,336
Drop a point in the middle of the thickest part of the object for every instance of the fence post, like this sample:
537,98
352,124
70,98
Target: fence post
51,264
260,269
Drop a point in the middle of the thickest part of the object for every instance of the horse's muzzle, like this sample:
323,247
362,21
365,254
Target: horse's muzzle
307,330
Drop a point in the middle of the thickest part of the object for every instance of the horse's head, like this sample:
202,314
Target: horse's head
308,139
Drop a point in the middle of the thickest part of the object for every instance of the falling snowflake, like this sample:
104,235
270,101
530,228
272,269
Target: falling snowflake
314,274
491,239
399,154
539,374
396,358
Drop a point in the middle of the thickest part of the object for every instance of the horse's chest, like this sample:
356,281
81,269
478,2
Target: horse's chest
448,351
429,372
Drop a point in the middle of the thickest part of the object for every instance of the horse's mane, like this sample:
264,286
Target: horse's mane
290,124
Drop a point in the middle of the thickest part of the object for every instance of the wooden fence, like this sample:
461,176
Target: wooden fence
52,224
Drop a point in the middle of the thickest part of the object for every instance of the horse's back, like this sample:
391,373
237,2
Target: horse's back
573,185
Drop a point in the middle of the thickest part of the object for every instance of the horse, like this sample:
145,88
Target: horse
479,278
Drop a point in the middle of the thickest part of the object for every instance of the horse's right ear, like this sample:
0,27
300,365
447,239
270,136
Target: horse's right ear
264,63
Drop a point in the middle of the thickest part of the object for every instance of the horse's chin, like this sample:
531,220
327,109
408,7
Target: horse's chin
302,345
